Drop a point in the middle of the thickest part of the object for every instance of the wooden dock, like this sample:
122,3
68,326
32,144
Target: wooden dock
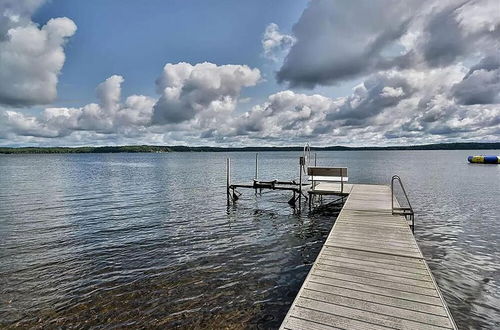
370,273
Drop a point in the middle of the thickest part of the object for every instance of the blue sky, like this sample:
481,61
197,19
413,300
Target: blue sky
137,38
240,73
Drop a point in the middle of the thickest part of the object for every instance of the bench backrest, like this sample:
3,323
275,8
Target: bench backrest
327,171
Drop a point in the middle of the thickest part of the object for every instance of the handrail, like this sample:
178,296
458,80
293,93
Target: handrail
406,211
307,157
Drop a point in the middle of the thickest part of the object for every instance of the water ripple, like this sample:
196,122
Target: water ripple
146,240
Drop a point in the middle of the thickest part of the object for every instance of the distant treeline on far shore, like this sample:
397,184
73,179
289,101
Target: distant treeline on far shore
153,149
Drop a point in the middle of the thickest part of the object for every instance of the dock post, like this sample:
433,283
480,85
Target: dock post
256,165
302,163
315,159
228,177
256,169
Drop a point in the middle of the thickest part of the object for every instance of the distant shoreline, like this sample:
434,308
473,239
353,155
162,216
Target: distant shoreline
161,149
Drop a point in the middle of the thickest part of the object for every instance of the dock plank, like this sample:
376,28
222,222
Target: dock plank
373,264
387,289
370,255
370,273
394,322
376,298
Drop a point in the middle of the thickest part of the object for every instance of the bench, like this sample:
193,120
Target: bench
327,174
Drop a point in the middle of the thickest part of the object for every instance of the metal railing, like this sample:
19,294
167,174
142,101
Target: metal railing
407,212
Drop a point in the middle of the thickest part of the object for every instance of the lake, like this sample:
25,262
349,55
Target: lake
147,240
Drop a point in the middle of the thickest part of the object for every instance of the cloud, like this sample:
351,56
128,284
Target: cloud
16,13
23,125
374,95
283,114
193,99
195,91
481,85
110,116
457,28
432,111
109,92
275,43
388,107
391,92
31,57
338,40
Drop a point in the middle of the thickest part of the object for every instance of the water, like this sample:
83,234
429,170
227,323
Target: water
146,240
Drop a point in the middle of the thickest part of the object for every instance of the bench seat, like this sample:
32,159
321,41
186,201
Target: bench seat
328,178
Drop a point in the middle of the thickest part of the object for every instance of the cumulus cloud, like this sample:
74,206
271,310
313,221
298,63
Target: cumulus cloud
31,57
373,96
108,117
286,111
194,99
339,40
430,111
15,13
204,91
389,107
109,93
274,43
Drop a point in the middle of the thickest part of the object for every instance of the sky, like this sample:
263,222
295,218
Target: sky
249,73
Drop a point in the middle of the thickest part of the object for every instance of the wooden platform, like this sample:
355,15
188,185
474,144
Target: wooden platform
370,273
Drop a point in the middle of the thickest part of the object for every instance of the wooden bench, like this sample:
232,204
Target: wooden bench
327,174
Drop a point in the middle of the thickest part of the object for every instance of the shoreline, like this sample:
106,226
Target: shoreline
164,149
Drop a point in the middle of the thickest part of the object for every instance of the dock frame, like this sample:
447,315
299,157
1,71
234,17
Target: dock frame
295,187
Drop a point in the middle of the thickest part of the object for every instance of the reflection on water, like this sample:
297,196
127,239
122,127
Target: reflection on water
147,240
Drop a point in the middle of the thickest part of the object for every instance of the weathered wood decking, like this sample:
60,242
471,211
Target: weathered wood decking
370,273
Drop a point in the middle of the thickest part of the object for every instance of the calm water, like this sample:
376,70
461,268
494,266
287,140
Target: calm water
146,240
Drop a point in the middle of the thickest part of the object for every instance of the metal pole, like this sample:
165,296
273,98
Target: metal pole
302,163
256,165
341,180
392,193
315,159
228,176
